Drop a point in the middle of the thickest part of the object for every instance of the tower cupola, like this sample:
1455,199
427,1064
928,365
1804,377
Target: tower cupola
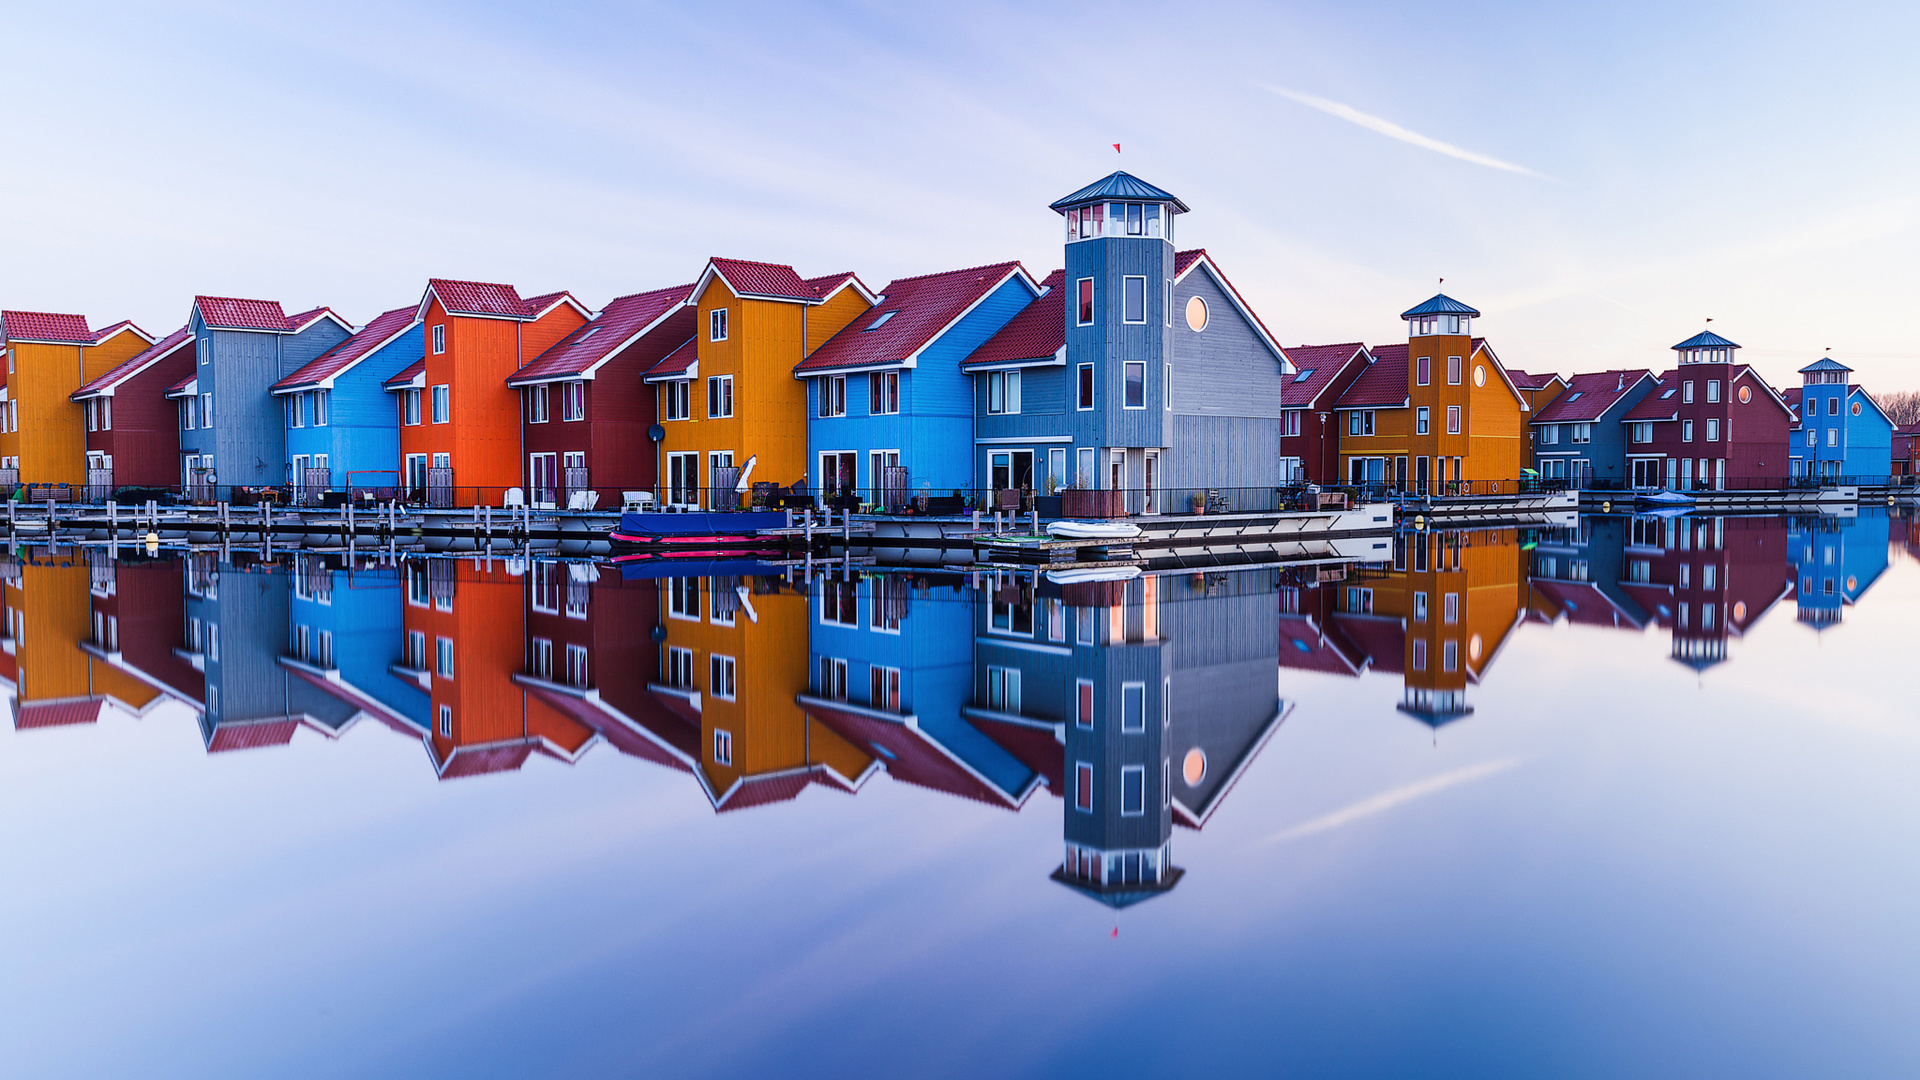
1119,205
1705,347
1825,371
1440,315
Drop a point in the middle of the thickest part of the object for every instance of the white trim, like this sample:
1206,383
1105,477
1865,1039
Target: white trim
1058,359
889,365
1019,440
711,272
327,383
1018,271
592,369
107,390
1233,294
1024,645
692,372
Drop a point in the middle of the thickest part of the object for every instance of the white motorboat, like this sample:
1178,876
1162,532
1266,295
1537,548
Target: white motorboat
1092,530
1085,574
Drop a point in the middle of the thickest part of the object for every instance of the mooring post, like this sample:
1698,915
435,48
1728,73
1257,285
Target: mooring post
1036,522
976,519
113,521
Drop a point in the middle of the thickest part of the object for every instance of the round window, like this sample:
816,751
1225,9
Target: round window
1193,767
1479,374
1746,394
1739,611
1856,408
1473,648
1853,583
1196,314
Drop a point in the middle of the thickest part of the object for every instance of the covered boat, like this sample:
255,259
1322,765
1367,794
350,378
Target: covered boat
695,530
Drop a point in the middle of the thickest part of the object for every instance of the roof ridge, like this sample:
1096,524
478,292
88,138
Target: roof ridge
687,288
752,262
961,270
473,281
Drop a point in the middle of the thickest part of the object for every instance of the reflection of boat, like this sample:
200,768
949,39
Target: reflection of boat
1092,530
1664,498
661,531
1093,573
640,567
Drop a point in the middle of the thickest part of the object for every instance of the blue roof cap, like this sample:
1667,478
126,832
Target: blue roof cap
1706,339
1441,304
1120,185
1826,363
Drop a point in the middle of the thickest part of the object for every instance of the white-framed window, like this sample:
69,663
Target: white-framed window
1686,431
442,403
722,747
1419,654
679,667
1133,790
1133,707
1003,688
206,409
719,396
1083,703
1833,436
1450,656
416,651
1166,385
722,603
540,657
536,404
577,666
204,347
683,598
1453,423
1083,305
296,410
884,688
717,324
1453,371
410,406
1686,391
1083,786
1133,299
1003,392
883,393
675,399
886,602
1713,389
443,657
446,711
213,641
1135,372
322,400
544,587
833,395
1084,387
833,678
1419,607
1361,421
1421,420
1450,607
439,338
573,400
1713,429
1168,312
720,672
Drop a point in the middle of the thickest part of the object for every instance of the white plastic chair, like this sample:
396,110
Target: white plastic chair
635,502
577,500
589,500
514,497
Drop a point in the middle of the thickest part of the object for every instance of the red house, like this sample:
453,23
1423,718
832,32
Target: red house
1906,449
1713,424
1311,438
584,409
133,431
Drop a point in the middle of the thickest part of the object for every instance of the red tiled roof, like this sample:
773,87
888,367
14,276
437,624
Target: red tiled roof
825,284
181,385
45,326
1383,384
344,355
252,734
124,324
1657,405
46,714
231,313
480,298
762,790
538,305
478,761
1184,259
1039,331
777,280
1589,395
912,312
1523,380
405,376
304,319
675,363
136,364
603,335
1319,364
1791,395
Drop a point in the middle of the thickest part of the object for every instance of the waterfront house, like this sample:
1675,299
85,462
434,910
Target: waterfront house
1310,446
1842,434
341,428
232,428
1712,424
133,431
1706,580
43,437
345,635
1577,436
890,412
54,679
138,621
1906,452
460,429
732,412
585,410
1538,391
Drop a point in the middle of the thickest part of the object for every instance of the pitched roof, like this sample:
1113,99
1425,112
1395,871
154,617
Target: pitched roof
1038,332
678,362
124,324
1826,363
1316,365
1661,403
483,298
1117,185
774,281
406,375
183,386
940,752
134,365
911,313
1791,395
1440,304
1184,260
308,318
233,313
1527,380
1383,384
615,327
46,327
46,714
1588,396
252,734
1706,339
384,328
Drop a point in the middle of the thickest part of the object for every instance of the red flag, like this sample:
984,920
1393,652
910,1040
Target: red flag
1116,148
1116,932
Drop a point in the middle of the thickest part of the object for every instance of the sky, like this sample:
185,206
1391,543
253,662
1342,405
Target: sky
1598,180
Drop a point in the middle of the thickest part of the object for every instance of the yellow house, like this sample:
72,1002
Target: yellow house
43,435
1437,416
56,664
736,653
731,410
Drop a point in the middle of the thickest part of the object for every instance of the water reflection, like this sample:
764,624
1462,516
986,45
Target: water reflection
1136,703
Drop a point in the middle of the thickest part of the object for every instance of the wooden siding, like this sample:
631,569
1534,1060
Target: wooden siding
362,432
144,441
1109,342
488,630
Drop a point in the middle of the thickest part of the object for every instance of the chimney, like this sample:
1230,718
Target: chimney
1621,384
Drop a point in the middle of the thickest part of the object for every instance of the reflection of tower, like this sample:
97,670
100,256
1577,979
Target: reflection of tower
1835,561
1706,578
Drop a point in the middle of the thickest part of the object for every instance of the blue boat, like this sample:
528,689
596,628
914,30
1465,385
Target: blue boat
672,531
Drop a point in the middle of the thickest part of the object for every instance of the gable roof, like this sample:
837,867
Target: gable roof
491,300
45,327
1184,264
1791,395
676,363
413,375
1664,403
775,281
1039,332
1861,393
1529,381
184,387
1318,366
323,369
1117,185
622,322
1440,304
1590,395
135,364
1383,384
126,325
234,313
911,313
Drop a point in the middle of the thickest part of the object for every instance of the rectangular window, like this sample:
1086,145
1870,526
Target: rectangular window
1168,310
573,401
1133,707
1713,389
1084,309
720,396
833,678
1085,399
1083,787
1686,391
679,667
536,405
1453,421
1833,436
1642,432
1421,419
577,666
416,657
833,395
1133,299
1583,433
296,410
1003,689
1833,406
883,688
1686,431
1419,607
722,747
1450,656
1083,703
206,409
717,324
883,393
675,396
1166,384
1136,376
443,657
1133,790
1419,654
1450,607
442,403
1713,430
1453,371
410,403
446,711
1003,392
1423,370
439,339
720,671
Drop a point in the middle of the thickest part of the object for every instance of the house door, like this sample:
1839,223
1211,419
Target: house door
889,480
683,479
573,477
1720,474
301,462
1673,474
416,477
1150,501
542,480
1057,468
1420,467
721,478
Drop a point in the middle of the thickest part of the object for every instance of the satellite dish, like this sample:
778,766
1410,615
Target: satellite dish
658,634
656,433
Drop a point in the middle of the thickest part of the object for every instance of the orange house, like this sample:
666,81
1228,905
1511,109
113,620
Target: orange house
460,434
59,669
43,433
731,409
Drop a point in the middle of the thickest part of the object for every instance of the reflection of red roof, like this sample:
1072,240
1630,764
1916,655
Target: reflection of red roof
615,326
1304,646
1383,384
357,698
1382,639
381,330
1584,603
147,357
1035,745
46,326
755,791
251,734
46,714
1038,332
233,313
480,760
1588,396
666,739
911,313
676,363
1318,364
911,756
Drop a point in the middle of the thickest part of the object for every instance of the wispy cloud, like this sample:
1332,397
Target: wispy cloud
1394,131
1387,800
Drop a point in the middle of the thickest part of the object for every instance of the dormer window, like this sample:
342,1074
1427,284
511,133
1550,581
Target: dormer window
885,317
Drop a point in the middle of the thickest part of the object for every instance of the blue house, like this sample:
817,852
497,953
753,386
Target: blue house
1578,438
1835,560
346,640
1140,370
1842,432
890,414
342,429
891,657
233,431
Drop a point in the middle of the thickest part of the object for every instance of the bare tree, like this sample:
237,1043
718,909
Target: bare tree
1903,407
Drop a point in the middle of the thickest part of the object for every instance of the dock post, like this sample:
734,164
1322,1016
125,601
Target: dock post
976,520
846,532
113,519
1036,522
489,524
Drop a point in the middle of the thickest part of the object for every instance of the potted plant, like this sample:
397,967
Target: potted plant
1197,502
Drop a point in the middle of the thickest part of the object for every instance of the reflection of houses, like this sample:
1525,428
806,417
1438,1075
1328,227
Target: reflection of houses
344,638
1578,575
1835,561
55,677
138,621
1705,579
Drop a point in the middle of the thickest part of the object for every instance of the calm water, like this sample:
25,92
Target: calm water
1637,799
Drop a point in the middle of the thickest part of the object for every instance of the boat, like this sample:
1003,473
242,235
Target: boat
1092,530
658,532
1085,574
1664,498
